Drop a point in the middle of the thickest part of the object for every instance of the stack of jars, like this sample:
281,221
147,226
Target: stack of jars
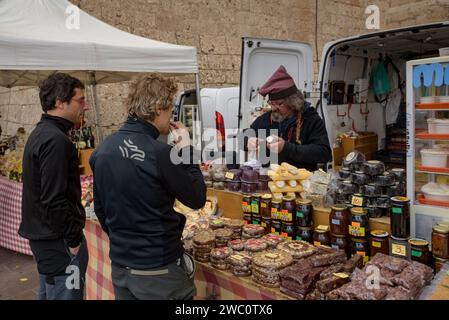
257,210
358,230
288,217
339,222
400,228
304,220
367,184
440,244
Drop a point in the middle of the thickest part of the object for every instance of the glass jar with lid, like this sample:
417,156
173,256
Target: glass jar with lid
304,213
379,242
246,203
305,234
360,246
288,211
321,236
265,206
255,204
340,242
339,219
419,251
440,241
400,217
359,224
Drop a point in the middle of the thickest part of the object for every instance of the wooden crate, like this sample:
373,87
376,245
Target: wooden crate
365,143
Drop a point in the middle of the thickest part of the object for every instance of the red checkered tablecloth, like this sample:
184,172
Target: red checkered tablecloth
210,283
10,216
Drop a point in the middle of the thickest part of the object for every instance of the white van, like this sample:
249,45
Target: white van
345,70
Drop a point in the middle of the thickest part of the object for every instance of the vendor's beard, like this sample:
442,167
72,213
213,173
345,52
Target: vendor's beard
277,117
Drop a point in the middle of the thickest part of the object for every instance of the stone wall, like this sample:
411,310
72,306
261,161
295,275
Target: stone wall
215,28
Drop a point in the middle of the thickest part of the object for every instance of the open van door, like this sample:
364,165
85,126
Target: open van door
260,59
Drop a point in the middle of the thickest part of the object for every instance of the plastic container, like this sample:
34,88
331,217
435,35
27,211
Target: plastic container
431,125
430,99
441,126
435,191
436,158
444,99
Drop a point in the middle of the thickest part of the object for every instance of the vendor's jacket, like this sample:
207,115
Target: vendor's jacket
310,149
51,197
135,186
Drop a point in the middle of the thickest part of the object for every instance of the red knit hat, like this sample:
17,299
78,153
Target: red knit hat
279,86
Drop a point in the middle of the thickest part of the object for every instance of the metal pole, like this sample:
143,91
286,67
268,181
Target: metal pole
198,99
96,104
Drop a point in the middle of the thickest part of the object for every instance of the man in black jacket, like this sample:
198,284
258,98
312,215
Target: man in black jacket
302,138
136,181
52,214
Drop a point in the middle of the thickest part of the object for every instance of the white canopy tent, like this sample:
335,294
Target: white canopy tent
40,37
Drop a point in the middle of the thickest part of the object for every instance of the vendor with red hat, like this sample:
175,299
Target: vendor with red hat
302,140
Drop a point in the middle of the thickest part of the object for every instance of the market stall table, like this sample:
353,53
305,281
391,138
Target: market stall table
11,215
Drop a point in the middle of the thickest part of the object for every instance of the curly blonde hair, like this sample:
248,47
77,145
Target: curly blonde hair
147,93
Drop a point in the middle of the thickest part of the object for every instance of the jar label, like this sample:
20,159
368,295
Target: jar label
288,217
299,214
274,214
355,224
334,246
285,235
356,231
298,238
246,207
341,275
362,253
357,201
255,207
416,253
256,221
336,222
273,230
263,205
376,244
264,224
398,249
229,175
284,214
317,243
396,210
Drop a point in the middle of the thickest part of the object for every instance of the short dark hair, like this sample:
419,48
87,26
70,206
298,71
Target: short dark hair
58,86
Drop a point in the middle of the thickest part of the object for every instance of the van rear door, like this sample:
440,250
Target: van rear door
260,59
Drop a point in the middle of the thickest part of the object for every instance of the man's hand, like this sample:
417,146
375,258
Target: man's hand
254,144
75,250
180,134
277,146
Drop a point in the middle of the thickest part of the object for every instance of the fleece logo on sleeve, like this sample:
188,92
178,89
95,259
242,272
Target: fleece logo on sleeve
131,151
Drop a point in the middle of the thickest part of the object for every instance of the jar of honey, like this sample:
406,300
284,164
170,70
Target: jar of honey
304,213
440,241
246,203
379,242
339,219
288,211
255,204
265,206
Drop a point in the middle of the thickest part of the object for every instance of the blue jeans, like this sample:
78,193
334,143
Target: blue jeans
69,286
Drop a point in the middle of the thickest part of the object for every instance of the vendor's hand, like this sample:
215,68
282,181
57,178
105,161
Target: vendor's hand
277,146
75,250
180,134
254,144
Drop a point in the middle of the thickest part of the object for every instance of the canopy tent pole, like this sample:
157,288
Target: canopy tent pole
95,101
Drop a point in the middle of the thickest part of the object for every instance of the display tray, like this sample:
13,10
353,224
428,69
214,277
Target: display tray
431,106
438,203
433,169
432,136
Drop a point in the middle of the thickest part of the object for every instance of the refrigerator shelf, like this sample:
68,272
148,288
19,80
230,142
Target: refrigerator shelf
433,106
438,203
431,136
444,171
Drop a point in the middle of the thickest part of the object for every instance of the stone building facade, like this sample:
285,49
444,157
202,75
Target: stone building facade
215,28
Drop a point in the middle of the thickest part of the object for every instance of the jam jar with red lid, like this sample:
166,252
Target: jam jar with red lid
304,213
359,223
339,219
288,211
